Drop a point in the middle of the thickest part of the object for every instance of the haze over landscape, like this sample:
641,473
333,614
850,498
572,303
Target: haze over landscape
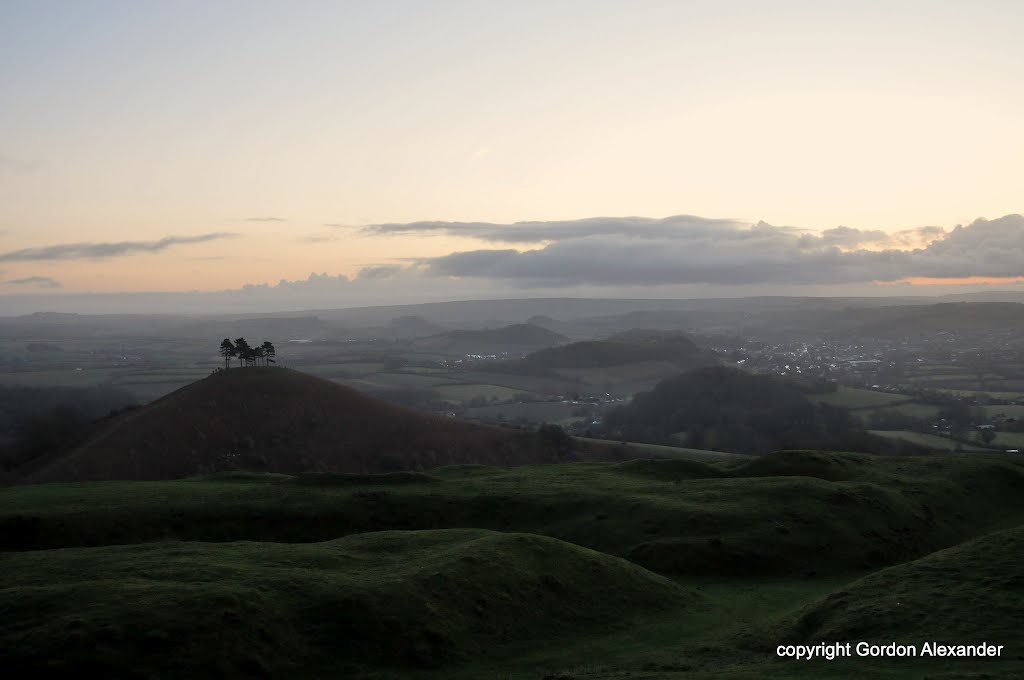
552,340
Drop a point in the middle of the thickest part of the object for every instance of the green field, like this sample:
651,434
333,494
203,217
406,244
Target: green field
1009,396
59,378
1008,440
640,449
1008,410
914,409
930,440
856,398
532,411
407,380
461,393
642,569
350,369
520,383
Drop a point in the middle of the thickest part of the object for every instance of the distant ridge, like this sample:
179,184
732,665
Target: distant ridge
281,420
521,337
630,347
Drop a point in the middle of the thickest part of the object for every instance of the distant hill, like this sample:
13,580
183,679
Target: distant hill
626,363
412,326
725,409
962,318
522,337
280,420
627,348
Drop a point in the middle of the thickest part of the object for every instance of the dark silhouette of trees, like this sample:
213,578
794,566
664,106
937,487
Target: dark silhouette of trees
244,351
556,437
268,351
728,410
248,355
228,351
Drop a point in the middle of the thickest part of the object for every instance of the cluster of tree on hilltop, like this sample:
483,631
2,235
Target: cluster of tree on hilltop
726,409
247,355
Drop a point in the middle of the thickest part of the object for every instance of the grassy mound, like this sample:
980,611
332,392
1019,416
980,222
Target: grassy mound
347,478
833,467
970,593
412,599
282,421
673,470
670,516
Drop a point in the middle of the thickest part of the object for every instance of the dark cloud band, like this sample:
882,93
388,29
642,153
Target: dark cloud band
37,281
83,251
534,232
758,254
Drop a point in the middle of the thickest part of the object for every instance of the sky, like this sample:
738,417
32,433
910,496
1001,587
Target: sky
403,151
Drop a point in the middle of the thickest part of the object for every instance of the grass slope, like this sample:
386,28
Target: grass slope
969,592
407,599
965,595
792,513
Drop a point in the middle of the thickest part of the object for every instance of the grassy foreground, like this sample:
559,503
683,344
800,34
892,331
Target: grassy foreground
420,599
643,569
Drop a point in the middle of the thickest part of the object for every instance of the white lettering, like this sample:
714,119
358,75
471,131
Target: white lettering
890,650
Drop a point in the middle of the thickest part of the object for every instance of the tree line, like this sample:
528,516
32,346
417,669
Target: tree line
246,354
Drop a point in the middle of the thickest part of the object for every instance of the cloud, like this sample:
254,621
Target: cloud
727,253
37,281
17,166
378,272
675,227
264,219
317,238
915,238
843,237
338,225
77,251
322,281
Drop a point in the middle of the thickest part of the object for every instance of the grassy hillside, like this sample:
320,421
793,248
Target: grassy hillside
406,599
376,576
773,515
969,592
279,420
